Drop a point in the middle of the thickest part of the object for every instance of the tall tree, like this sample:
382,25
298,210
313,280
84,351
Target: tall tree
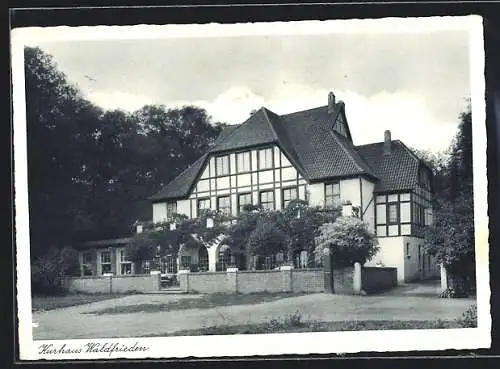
451,237
92,171
59,124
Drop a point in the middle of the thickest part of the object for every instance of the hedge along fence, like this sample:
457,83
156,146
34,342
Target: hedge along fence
114,283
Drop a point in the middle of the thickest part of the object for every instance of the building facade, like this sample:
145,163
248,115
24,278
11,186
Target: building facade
270,160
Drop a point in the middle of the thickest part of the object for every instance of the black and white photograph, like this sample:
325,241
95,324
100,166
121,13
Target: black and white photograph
209,190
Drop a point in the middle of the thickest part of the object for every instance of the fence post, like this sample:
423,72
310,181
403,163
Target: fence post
232,279
444,278
356,281
184,280
110,281
286,278
328,270
156,280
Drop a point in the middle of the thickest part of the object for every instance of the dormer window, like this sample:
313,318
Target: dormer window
222,165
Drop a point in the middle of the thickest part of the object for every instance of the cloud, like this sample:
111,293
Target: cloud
119,100
404,113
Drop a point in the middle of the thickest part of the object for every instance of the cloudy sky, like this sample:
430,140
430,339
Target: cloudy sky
413,84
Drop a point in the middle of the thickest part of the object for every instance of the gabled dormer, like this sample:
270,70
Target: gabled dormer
337,111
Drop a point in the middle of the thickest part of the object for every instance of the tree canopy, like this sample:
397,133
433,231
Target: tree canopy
91,171
451,237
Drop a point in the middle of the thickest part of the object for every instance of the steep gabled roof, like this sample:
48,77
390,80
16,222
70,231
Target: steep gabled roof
181,185
397,171
323,152
256,130
313,147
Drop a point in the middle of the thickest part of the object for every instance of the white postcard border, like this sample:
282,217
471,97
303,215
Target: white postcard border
270,344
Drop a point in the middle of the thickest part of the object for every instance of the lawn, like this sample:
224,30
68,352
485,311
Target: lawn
40,303
198,302
304,327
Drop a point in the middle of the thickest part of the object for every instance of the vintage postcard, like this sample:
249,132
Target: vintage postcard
247,189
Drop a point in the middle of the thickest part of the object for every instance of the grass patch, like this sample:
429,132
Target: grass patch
201,302
293,323
41,303
305,327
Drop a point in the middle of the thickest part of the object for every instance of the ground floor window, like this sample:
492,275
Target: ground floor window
225,258
125,264
86,263
203,259
170,264
106,262
186,262
301,260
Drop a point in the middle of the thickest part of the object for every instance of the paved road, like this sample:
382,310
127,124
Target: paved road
70,323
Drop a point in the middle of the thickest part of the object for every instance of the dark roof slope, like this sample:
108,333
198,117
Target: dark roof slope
397,171
256,130
323,152
318,152
181,185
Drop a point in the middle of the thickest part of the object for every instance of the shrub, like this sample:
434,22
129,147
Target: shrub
349,240
48,271
469,318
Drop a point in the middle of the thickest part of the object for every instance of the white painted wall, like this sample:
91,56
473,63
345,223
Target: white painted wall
183,207
391,254
368,203
349,191
415,270
159,212
316,194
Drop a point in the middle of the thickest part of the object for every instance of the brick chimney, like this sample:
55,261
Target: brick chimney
331,102
387,142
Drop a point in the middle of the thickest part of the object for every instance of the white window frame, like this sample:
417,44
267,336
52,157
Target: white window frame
124,262
267,202
243,162
86,265
222,165
226,209
266,161
333,199
102,264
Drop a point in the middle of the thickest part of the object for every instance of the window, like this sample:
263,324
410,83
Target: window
203,204
87,263
392,213
301,260
332,194
419,256
222,165
171,209
243,162
266,158
105,262
224,205
244,199
267,199
125,264
407,249
186,262
171,264
288,195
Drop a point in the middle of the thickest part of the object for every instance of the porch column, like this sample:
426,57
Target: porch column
212,258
